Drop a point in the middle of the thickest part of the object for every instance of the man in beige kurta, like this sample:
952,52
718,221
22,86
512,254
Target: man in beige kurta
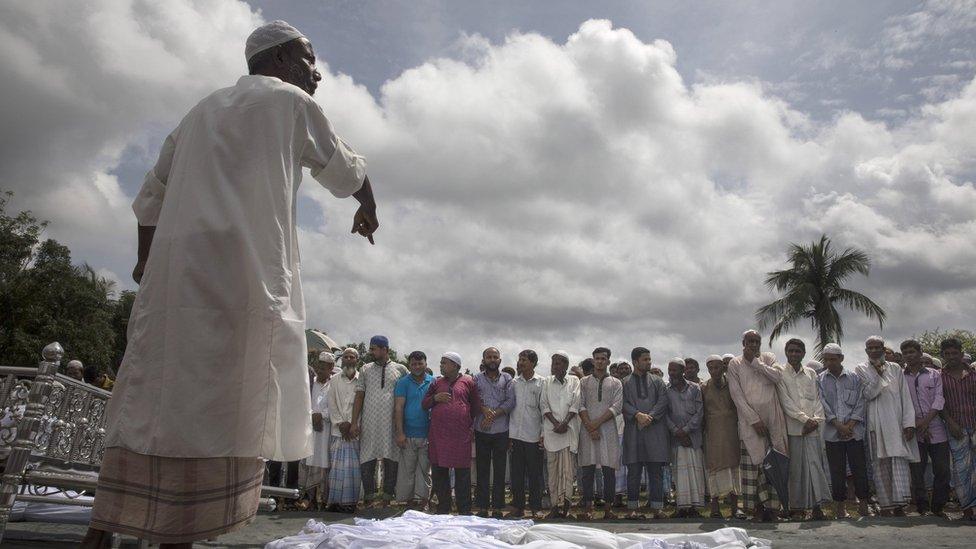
722,448
601,401
753,378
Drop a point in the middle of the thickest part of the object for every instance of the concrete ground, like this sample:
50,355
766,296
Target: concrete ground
870,533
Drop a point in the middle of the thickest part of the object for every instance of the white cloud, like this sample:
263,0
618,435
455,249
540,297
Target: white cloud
533,193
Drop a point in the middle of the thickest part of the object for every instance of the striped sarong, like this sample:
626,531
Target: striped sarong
689,477
724,482
175,500
809,480
964,468
562,467
344,479
755,488
892,480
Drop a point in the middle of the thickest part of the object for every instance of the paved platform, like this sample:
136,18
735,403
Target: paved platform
870,533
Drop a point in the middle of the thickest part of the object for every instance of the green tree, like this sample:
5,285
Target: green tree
813,291
931,339
44,298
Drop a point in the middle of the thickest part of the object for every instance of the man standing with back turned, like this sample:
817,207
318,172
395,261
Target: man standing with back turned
219,276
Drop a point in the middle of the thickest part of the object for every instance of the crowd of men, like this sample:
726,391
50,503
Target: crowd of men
898,429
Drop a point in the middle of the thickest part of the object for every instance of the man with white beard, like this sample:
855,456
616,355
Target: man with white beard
890,428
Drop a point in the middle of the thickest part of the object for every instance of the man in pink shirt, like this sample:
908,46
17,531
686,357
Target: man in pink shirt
453,403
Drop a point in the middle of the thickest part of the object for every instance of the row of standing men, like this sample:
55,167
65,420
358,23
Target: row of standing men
876,426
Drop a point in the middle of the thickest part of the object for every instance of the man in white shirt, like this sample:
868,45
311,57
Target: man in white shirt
220,283
560,405
799,393
890,415
344,475
319,462
524,433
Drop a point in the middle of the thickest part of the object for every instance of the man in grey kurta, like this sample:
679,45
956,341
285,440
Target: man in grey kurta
685,415
601,400
373,419
646,438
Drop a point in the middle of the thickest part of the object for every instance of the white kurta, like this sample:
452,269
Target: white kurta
320,440
216,361
560,399
889,410
340,397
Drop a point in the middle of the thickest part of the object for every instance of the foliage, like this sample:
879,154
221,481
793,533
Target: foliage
931,339
44,298
813,290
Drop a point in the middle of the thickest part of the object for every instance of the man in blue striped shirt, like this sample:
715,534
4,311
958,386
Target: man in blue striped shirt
843,430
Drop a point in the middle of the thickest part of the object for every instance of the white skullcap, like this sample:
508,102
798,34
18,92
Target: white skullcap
75,363
269,36
815,365
677,360
352,350
728,355
937,362
563,354
750,332
453,357
710,358
874,338
832,349
326,356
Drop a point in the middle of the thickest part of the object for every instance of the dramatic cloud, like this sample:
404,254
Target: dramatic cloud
533,192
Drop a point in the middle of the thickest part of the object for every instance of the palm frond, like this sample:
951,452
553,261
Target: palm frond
861,303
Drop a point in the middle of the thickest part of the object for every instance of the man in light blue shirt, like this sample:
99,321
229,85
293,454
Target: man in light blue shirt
843,430
411,423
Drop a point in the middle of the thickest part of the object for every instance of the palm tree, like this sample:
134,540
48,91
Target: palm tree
812,287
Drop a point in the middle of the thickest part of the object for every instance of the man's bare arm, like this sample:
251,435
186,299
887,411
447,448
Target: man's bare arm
146,233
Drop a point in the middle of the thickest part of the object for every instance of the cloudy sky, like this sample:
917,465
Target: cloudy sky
551,175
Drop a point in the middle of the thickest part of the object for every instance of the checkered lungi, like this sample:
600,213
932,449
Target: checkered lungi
964,468
892,479
344,477
175,500
724,482
755,489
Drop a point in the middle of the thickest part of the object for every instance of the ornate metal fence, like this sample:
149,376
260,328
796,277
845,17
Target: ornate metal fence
52,429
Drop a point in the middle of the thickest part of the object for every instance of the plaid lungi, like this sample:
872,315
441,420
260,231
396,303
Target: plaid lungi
724,482
964,468
175,500
689,476
891,478
755,489
344,477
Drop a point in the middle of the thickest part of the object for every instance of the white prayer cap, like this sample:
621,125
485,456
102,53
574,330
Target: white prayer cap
728,356
269,36
453,357
563,354
75,363
352,350
832,349
326,356
874,338
677,360
937,362
815,365
710,358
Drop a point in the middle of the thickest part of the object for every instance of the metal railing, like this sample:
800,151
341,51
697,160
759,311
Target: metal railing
52,429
